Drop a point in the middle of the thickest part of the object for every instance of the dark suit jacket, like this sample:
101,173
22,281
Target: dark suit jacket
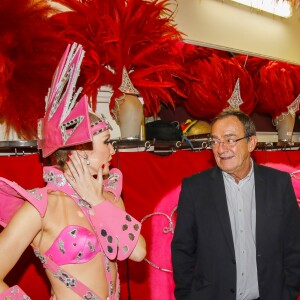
202,248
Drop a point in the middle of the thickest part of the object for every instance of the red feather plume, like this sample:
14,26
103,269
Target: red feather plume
136,34
276,87
216,78
29,52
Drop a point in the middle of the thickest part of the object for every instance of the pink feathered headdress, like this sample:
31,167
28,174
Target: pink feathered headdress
66,121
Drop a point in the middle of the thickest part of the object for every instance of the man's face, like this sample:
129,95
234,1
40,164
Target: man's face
233,159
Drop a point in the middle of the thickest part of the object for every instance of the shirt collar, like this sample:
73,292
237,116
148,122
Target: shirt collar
245,179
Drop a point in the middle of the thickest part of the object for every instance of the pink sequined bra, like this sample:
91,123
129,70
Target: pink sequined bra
74,245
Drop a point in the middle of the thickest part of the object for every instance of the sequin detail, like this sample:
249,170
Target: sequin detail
61,245
41,257
57,179
69,127
66,278
131,236
34,194
90,296
112,181
84,203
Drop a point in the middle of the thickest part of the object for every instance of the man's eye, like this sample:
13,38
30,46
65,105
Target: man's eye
214,142
107,142
230,141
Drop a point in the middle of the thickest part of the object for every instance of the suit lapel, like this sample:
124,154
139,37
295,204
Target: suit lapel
260,198
219,198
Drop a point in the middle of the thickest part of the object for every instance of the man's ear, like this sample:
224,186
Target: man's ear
252,143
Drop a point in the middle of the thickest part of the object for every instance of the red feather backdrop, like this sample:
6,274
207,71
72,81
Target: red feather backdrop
28,55
140,35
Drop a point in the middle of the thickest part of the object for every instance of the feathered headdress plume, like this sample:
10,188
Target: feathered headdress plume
277,86
217,77
137,35
29,52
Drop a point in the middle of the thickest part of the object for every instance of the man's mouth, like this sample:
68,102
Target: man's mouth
225,157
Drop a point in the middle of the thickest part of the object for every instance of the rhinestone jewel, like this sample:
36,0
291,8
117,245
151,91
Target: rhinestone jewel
235,99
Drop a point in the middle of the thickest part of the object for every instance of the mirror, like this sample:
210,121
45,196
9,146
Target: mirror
226,25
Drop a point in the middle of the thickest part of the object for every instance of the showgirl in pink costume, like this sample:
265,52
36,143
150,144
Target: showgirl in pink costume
77,224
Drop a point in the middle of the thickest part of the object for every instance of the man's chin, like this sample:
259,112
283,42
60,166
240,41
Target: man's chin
225,166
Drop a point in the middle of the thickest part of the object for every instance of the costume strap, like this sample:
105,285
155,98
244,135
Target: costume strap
69,281
14,293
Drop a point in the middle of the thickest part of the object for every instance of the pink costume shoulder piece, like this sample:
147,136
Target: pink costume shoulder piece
12,196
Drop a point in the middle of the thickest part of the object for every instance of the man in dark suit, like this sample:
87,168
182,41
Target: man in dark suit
237,235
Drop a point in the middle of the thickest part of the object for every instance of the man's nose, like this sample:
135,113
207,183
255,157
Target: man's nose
222,146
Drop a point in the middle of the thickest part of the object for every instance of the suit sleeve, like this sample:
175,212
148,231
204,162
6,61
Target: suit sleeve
292,241
184,243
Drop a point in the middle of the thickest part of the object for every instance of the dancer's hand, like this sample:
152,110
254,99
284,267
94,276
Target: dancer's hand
86,186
